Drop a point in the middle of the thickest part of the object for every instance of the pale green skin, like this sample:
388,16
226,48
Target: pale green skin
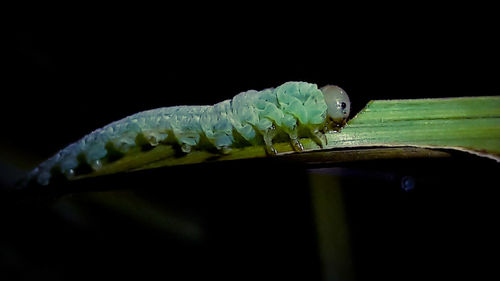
294,109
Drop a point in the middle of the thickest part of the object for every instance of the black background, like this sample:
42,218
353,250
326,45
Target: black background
66,77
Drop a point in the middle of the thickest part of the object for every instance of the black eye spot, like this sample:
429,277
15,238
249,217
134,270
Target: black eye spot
343,105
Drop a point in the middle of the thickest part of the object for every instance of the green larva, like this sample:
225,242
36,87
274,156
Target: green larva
294,109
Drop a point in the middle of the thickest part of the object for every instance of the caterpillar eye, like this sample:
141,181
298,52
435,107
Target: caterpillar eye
343,105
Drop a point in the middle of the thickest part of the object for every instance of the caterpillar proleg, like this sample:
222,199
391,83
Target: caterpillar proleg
293,110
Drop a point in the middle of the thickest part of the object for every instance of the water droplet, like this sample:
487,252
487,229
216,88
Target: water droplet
407,183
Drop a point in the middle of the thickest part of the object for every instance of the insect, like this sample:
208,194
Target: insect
291,110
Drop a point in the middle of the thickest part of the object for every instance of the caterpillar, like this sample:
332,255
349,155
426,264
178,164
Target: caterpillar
292,110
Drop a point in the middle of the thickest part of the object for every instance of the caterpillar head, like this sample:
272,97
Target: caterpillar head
338,104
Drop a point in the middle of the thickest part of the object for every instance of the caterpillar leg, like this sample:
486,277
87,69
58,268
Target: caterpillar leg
154,138
294,141
319,137
225,150
188,140
268,135
297,146
96,164
186,148
223,142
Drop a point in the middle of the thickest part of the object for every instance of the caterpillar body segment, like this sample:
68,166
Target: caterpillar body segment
293,110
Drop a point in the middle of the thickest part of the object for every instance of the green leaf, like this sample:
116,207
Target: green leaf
383,129
469,124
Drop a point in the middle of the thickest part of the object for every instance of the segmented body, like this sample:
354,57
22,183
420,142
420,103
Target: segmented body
248,118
